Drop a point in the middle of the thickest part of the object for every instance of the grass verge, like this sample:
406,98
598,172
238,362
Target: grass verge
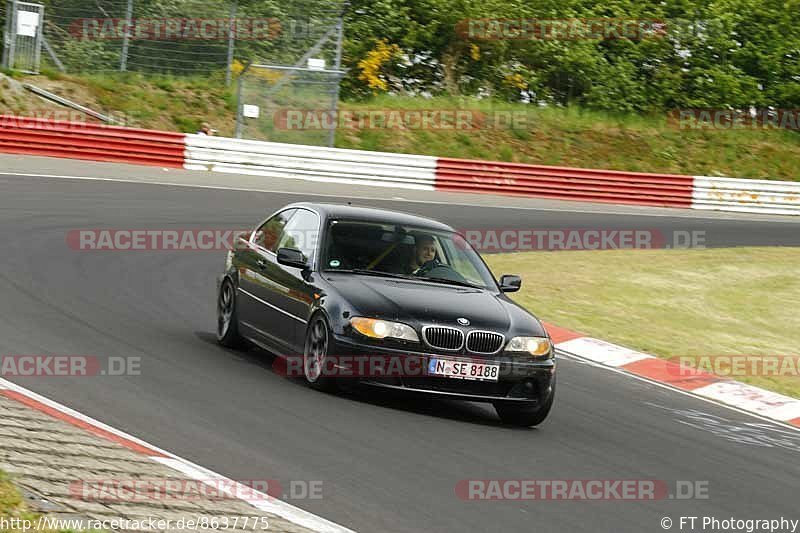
11,503
713,302
12,506
153,102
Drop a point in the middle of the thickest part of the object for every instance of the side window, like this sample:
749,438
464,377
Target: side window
270,232
301,233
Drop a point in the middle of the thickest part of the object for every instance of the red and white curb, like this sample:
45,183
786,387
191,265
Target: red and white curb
705,385
260,501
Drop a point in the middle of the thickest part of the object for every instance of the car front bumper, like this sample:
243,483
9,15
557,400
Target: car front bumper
525,381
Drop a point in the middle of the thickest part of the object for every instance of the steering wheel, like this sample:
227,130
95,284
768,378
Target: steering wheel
436,269
428,266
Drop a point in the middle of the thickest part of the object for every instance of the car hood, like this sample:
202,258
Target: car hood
428,303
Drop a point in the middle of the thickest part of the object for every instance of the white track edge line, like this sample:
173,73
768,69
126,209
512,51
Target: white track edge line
667,386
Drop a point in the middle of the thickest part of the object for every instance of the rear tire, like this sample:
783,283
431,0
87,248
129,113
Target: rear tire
315,354
227,318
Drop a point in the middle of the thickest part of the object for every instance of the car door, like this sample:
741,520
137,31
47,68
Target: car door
258,270
293,291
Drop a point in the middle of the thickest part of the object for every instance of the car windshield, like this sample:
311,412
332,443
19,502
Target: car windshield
392,250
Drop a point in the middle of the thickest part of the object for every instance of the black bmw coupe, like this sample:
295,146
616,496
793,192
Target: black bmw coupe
386,299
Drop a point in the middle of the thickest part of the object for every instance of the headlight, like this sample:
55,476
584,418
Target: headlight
380,329
536,346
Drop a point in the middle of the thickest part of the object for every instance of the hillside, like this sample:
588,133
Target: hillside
550,136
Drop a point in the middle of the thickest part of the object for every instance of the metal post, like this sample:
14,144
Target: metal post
53,55
12,34
231,41
37,53
7,35
123,62
239,117
337,66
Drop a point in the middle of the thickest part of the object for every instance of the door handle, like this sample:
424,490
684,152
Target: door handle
261,264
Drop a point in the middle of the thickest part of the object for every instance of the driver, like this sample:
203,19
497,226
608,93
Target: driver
424,251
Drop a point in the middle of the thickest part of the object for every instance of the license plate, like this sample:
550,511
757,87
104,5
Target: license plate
463,370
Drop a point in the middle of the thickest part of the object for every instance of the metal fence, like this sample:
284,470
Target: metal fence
279,50
179,37
22,37
288,104
275,102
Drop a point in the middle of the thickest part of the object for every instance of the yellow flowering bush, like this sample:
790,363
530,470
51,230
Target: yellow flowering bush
375,60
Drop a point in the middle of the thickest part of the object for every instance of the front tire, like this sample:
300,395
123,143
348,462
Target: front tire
521,415
227,318
315,355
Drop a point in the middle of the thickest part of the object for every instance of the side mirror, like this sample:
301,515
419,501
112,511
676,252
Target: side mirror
291,257
510,283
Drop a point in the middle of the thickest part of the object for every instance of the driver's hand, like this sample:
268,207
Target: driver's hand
428,265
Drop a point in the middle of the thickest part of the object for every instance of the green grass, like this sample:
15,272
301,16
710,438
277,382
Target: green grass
10,498
162,102
52,74
156,102
9,72
670,303
551,136
12,505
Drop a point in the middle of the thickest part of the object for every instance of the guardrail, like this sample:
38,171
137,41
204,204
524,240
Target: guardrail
335,165
47,95
332,165
561,183
749,196
80,140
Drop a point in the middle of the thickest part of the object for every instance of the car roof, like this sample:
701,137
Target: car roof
384,216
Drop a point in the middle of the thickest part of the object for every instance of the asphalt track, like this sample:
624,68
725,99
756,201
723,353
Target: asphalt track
387,463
